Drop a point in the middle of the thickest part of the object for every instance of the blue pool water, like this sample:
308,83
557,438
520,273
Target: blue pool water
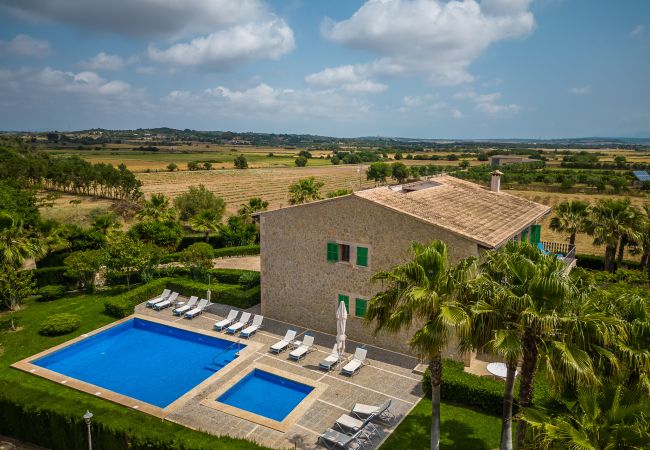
148,361
266,394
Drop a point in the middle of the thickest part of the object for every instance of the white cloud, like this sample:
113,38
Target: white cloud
637,31
581,90
268,102
494,109
487,103
349,78
430,37
266,40
104,61
23,45
429,104
87,83
145,70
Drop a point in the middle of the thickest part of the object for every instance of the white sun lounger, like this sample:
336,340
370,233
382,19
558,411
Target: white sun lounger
330,360
159,299
186,307
198,310
227,321
381,412
357,362
305,347
166,303
252,329
243,320
282,345
347,423
335,439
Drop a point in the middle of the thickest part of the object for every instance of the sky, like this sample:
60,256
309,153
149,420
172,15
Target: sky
466,69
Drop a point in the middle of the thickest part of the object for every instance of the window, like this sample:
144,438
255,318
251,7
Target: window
360,306
332,252
362,256
344,252
345,299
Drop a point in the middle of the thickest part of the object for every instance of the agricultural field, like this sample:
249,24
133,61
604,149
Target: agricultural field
81,211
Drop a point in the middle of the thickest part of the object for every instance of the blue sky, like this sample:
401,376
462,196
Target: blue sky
411,68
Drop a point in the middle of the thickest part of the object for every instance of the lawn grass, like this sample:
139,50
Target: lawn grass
40,394
460,427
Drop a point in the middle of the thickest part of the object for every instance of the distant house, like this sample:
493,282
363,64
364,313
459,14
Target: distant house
317,254
641,176
502,160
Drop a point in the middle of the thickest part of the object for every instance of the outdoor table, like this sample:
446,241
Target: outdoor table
498,369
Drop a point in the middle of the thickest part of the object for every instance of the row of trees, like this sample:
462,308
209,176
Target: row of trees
615,224
520,305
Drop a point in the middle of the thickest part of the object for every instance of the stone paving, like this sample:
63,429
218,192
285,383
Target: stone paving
387,376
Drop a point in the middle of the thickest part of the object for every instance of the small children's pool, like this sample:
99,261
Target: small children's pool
144,360
266,394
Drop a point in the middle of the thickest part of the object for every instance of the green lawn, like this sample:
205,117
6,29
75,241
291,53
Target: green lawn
40,394
461,428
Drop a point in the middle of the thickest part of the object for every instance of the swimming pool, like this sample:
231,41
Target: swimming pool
266,394
147,361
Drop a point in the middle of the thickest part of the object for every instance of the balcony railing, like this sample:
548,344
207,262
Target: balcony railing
568,251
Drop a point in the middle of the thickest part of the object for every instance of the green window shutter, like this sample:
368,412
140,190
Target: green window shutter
345,299
524,235
360,306
332,251
362,256
535,234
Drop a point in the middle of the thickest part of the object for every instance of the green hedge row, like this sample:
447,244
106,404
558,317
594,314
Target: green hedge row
483,393
224,252
52,275
229,294
594,262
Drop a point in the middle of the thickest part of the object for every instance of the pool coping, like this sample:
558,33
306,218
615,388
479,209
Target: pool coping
283,426
27,365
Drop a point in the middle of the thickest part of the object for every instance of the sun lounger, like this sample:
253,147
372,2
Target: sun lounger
192,313
159,299
335,439
330,360
357,362
282,345
186,307
347,423
166,303
232,315
243,320
252,329
381,412
305,347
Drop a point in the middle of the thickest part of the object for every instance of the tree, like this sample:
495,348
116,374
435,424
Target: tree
305,190
15,286
106,223
399,172
611,416
124,255
206,221
398,156
570,217
423,293
339,193
198,259
16,244
157,208
166,234
464,164
238,231
335,160
207,165
84,265
300,161
172,167
193,165
196,199
304,153
378,172
255,204
240,162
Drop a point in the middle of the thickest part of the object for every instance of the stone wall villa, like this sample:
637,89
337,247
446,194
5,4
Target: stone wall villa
317,254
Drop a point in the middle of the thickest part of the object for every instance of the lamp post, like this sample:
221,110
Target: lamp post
87,418
209,293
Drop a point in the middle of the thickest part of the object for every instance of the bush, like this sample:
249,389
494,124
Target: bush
52,275
595,262
300,161
242,250
51,292
250,279
59,324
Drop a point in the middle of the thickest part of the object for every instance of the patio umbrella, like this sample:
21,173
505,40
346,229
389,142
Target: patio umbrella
341,318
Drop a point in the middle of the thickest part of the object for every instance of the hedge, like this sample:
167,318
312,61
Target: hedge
52,275
51,292
595,262
482,393
218,253
59,324
214,240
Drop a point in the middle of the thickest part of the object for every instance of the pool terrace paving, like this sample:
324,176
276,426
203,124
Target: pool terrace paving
388,375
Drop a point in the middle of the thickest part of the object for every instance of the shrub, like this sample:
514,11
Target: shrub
51,292
250,279
51,275
300,161
197,258
595,262
59,324
240,162
123,305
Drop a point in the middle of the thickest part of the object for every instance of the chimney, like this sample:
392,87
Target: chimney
495,186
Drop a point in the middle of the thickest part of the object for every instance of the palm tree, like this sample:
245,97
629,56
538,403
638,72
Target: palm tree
106,224
206,221
423,292
305,190
254,205
157,208
570,217
15,243
608,418
611,221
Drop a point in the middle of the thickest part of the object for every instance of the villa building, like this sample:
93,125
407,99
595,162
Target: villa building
503,160
318,254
